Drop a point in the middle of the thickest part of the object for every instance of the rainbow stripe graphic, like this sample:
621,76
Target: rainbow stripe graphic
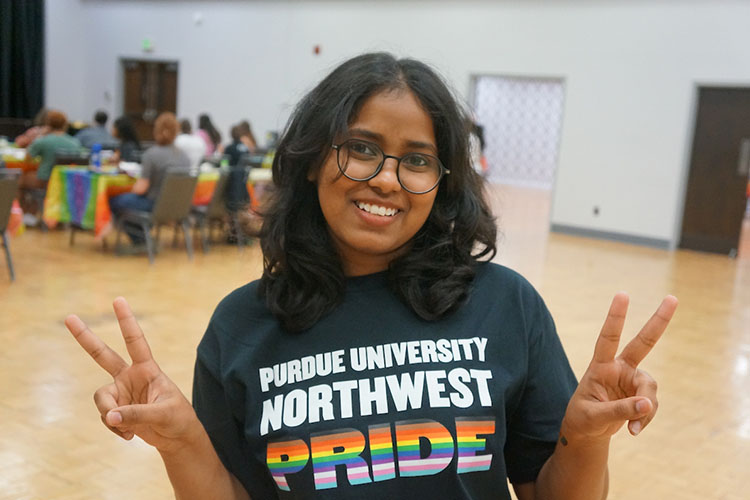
381,452
341,447
286,457
468,443
410,462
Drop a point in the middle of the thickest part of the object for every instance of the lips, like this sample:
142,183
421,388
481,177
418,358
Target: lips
374,209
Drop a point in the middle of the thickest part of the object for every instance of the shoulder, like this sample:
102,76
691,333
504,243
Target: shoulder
241,301
508,294
36,144
241,311
149,155
502,279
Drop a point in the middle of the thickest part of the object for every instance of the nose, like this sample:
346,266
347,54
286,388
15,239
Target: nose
387,179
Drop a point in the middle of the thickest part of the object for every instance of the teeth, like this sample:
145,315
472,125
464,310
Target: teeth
377,210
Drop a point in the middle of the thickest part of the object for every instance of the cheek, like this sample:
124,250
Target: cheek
427,204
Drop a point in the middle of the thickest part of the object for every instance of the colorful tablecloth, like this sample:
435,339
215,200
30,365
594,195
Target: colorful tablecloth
80,196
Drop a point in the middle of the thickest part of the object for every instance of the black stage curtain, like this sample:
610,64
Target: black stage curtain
21,57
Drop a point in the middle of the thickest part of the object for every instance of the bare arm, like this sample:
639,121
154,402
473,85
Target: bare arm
140,186
142,401
191,475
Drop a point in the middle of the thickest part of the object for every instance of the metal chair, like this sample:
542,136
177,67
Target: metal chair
214,211
8,192
172,206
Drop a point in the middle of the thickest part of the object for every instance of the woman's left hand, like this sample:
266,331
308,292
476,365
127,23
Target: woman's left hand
614,390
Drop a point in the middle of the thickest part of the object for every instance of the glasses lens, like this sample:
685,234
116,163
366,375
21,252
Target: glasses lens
359,160
418,172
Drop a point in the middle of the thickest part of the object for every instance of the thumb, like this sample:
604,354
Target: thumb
139,414
631,408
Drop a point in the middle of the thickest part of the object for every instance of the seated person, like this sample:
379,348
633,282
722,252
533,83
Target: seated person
47,147
97,134
237,149
129,148
155,163
38,129
247,137
237,196
209,134
191,144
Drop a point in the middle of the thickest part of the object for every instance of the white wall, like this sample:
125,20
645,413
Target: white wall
629,67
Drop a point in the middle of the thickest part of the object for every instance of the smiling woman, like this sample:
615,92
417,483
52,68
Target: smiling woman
378,355
373,220
400,114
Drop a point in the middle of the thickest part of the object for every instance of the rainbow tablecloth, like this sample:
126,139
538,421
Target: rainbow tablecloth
79,196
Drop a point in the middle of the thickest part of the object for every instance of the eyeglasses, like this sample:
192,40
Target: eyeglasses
359,160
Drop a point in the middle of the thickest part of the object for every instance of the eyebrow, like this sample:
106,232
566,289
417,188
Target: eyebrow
378,137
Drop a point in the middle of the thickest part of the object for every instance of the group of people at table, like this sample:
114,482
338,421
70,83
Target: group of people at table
175,147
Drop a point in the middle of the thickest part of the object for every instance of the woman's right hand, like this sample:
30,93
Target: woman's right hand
141,400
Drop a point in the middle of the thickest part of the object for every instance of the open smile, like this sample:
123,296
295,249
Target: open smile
376,209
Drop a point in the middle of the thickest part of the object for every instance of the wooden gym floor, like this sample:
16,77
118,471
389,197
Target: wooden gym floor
53,446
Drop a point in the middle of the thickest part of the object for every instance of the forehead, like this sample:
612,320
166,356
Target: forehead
396,115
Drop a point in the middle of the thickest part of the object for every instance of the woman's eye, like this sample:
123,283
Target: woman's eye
416,161
362,148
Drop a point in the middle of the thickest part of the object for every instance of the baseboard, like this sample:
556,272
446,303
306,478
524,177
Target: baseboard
608,235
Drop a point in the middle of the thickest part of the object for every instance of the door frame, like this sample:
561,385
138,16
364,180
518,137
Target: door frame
120,84
687,149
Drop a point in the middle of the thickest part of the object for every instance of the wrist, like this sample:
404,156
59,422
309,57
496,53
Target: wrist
192,440
571,436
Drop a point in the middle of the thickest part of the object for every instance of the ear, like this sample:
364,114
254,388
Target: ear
312,174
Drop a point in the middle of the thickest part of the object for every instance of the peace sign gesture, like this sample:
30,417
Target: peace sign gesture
141,400
614,390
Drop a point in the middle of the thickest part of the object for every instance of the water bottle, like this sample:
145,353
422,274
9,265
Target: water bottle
96,157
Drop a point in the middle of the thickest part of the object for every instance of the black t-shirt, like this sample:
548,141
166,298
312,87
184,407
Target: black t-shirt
375,402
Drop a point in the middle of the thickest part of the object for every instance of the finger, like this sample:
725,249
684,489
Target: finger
609,337
153,414
645,387
134,339
641,345
105,398
612,412
126,435
97,349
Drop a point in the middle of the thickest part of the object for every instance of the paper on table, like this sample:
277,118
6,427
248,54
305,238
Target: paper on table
131,168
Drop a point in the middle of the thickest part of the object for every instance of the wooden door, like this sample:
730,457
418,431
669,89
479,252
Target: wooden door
150,89
715,199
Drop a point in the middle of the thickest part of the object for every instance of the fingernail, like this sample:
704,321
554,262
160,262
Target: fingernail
635,427
114,418
642,406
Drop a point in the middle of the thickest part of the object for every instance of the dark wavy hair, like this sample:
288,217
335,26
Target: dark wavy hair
303,278
126,131
205,123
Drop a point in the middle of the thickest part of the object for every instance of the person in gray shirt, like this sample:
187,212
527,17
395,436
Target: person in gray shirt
97,133
155,163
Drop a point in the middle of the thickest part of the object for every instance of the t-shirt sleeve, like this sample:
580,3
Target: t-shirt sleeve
534,426
212,405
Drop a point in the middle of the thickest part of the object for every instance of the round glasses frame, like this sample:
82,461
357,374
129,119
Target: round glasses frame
443,171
